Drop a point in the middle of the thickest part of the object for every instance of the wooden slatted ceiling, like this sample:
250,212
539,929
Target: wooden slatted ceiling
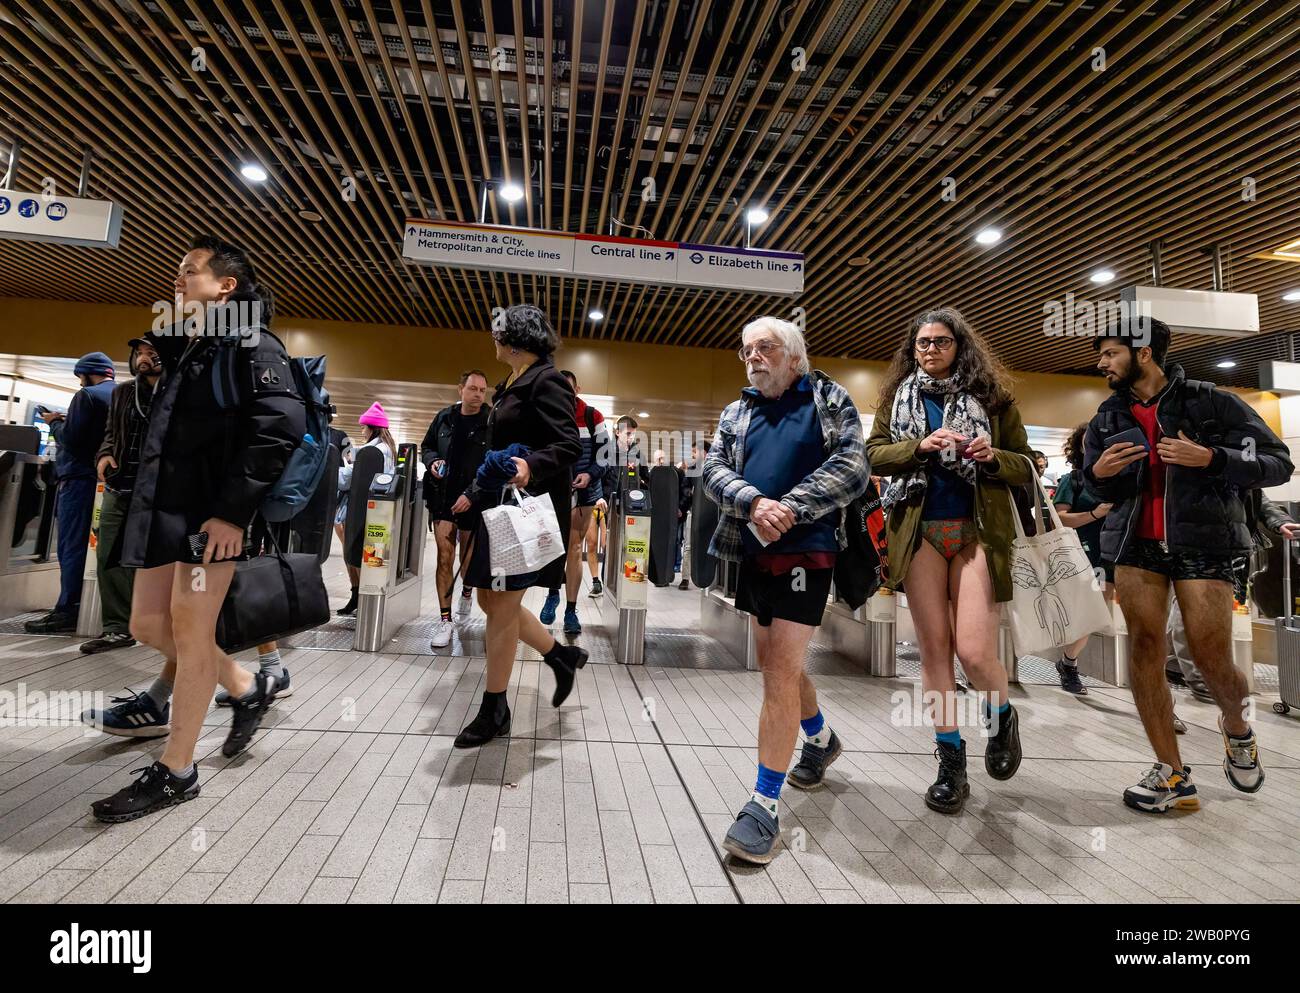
418,101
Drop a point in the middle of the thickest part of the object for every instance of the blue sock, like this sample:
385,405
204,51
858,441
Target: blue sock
1002,711
768,788
813,725
952,737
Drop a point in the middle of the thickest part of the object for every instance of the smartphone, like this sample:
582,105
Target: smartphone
1133,436
198,542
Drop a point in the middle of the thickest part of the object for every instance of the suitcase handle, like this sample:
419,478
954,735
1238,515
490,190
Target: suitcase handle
1288,603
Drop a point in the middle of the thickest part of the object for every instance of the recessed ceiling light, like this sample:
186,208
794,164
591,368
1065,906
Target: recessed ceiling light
1292,297
511,193
596,314
643,413
756,215
989,236
253,172
1225,364
310,215
1102,276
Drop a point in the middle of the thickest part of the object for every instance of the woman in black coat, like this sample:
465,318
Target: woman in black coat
225,418
533,407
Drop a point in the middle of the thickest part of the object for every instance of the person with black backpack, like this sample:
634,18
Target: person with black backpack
227,418
1174,457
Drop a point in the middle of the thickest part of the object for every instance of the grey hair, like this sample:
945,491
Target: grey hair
788,334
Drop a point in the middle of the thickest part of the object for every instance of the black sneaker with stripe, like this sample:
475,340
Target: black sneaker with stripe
157,788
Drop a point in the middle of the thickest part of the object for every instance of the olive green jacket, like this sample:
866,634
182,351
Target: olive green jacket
993,521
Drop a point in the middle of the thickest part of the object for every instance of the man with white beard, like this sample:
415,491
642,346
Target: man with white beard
787,459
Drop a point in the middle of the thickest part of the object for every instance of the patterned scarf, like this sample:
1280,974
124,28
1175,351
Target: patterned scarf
962,413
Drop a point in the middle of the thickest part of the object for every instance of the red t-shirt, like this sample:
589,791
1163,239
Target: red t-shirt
1151,515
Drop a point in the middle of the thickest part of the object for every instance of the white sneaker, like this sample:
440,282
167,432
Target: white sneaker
1241,764
441,634
463,608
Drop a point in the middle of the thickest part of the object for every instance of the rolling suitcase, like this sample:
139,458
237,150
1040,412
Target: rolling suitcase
1288,643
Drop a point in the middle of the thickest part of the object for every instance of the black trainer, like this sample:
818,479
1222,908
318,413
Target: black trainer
570,659
809,772
1002,753
55,622
948,793
487,725
1070,681
246,715
107,642
158,787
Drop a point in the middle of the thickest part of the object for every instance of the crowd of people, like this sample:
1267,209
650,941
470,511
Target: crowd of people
1164,489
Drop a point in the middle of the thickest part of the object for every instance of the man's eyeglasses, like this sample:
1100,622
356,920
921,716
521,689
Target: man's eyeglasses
763,348
942,344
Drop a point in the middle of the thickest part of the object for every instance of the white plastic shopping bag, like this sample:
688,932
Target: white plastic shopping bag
522,536
1056,599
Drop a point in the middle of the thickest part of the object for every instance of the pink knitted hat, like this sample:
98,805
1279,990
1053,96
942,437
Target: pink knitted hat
375,416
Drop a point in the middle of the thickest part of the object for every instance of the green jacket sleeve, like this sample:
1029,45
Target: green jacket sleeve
889,458
1013,459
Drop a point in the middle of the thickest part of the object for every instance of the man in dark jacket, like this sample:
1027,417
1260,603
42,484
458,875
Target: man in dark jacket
1176,482
116,464
78,434
452,450
225,419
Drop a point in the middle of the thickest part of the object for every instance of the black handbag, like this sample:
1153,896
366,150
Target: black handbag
271,597
861,567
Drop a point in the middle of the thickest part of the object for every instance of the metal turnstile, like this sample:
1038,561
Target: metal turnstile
391,584
627,565
29,567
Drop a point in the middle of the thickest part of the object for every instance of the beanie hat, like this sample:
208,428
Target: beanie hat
94,364
375,416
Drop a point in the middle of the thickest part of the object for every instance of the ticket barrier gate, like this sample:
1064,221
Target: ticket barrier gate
29,567
392,548
627,564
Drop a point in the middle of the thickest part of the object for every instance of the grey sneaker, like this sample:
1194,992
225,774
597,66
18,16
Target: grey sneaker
1241,764
809,772
754,836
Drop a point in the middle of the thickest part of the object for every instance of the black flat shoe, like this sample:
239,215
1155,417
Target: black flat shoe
349,608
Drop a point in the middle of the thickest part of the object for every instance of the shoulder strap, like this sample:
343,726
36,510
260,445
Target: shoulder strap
591,421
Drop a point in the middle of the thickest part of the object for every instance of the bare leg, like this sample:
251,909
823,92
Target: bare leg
579,520
200,663
503,610
1207,618
977,618
927,598
1144,599
781,651
443,532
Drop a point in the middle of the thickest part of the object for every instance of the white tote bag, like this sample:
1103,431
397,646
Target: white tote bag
522,536
1056,598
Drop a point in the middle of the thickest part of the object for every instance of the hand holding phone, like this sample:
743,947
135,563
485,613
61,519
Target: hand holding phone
1123,450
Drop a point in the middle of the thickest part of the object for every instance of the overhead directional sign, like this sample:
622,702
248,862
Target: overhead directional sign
59,220
635,260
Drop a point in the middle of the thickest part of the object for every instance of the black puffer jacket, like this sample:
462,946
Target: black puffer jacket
226,417
440,494
1203,507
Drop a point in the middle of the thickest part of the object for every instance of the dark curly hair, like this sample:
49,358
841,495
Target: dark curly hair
527,328
1074,447
983,376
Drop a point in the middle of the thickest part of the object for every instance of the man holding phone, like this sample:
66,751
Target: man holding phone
1174,456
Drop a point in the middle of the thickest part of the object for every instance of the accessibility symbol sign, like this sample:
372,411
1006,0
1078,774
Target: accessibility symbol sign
4,205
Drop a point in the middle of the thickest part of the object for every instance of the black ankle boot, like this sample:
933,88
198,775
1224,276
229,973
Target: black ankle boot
565,661
493,721
350,607
949,792
1002,753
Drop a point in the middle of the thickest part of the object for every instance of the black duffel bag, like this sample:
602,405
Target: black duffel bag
271,597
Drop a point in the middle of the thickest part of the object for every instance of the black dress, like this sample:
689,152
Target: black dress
537,410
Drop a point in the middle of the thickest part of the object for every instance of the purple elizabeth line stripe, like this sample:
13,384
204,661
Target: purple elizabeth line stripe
741,251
